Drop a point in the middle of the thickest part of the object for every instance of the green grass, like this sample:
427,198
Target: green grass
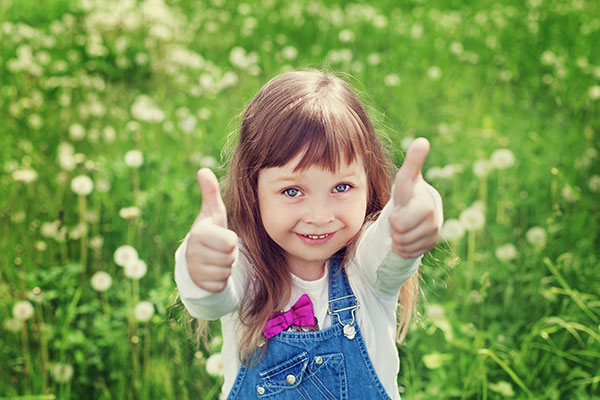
515,75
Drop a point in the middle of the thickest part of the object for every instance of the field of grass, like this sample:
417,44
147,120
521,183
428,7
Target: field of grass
108,108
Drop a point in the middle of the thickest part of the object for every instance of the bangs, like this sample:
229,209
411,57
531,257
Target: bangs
326,134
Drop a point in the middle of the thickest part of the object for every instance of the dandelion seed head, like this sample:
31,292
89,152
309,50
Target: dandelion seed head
391,80
61,373
506,252
434,311
594,183
12,325
22,310
452,230
143,311
374,59
536,236
472,219
568,194
434,73
101,281
214,365
76,132
25,175
125,255
136,270
482,168
134,158
594,92
82,185
502,159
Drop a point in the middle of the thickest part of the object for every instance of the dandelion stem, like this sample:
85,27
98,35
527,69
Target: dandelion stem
27,366
84,246
43,347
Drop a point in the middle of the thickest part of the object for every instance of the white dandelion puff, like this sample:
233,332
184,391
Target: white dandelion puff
536,236
76,132
472,219
129,212
452,230
82,185
502,159
125,255
594,92
594,183
143,311
134,158
101,281
214,365
25,175
482,168
62,373
391,80
22,310
506,252
12,325
136,270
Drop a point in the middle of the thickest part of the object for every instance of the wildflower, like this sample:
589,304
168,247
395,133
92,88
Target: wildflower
144,109
49,229
346,36
96,242
594,92
129,212
502,387
76,132
482,168
506,252
374,59
472,219
134,158
536,236
102,186
125,255
136,270
502,159
82,185
434,73
452,230
289,53
143,311
568,194
208,161
391,80
101,281
12,325
456,48
62,373
594,183
22,310
214,365
40,245
24,175
548,58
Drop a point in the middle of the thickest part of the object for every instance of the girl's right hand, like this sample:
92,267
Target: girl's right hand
211,247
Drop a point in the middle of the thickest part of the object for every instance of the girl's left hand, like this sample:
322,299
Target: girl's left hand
415,221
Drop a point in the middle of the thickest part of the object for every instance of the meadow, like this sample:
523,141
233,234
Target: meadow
108,108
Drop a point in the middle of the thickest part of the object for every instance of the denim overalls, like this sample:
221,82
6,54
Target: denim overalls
328,364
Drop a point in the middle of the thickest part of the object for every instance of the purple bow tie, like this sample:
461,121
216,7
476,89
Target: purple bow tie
300,314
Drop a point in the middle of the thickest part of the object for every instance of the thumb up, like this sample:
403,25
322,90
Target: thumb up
413,223
211,247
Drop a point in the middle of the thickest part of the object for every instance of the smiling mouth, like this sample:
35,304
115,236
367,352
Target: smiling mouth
315,239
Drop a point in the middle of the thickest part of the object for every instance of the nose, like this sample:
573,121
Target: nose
319,211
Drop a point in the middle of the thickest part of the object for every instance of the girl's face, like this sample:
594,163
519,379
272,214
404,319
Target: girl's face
311,214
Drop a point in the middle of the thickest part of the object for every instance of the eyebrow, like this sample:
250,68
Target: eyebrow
294,178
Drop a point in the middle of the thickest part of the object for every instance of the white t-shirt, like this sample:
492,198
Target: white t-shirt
376,275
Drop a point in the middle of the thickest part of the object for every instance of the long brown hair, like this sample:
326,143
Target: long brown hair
302,112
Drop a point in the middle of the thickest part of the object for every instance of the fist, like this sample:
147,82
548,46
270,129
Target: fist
211,247
414,222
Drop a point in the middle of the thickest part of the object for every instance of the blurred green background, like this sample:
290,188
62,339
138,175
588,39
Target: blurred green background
107,109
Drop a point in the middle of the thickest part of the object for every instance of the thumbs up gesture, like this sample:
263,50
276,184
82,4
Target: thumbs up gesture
414,222
211,247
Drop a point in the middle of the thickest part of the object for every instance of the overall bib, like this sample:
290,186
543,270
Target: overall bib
330,364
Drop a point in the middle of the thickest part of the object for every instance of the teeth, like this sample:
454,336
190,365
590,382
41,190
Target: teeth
315,237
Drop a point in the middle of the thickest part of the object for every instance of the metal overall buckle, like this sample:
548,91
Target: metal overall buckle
348,329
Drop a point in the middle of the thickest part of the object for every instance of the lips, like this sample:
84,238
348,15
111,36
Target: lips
315,239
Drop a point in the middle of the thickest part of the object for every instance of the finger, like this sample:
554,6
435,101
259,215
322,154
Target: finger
206,233
212,203
424,232
407,218
213,287
414,250
208,256
215,273
410,171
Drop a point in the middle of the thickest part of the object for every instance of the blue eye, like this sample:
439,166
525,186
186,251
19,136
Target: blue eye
291,192
342,187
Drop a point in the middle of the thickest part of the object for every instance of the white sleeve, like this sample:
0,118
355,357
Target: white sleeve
379,264
201,303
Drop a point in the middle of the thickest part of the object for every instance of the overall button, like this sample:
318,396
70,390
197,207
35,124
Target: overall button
260,390
290,379
319,360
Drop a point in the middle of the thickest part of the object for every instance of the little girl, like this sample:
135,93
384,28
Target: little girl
305,261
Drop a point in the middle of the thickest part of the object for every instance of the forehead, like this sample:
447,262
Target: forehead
294,170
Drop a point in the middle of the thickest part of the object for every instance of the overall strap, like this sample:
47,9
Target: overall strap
342,301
